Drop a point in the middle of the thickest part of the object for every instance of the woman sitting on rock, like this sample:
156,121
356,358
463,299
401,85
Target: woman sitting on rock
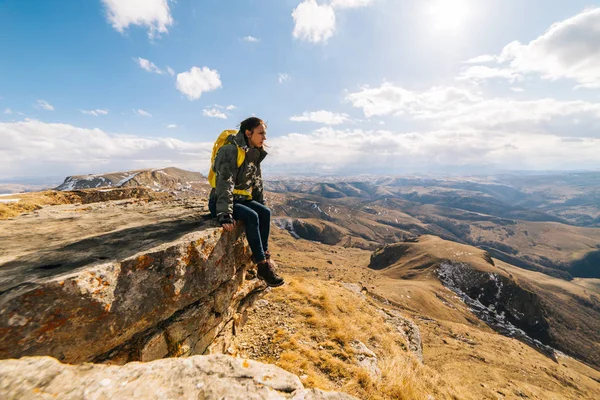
237,193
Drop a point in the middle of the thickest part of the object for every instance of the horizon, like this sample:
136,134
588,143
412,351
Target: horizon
57,180
347,87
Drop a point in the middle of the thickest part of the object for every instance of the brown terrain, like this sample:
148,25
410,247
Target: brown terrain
445,289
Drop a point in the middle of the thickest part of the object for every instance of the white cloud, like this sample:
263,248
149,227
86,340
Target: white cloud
170,71
152,14
8,111
517,89
350,3
95,113
450,107
328,150
230,107
43,104
197,81
283,77
33,147
391,100
148,65
142,113
569,49
250,39
486,58
323,117
313,22
214,113
172,126
479,73
543,116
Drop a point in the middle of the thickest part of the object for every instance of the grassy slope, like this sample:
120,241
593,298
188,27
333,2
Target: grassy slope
463,357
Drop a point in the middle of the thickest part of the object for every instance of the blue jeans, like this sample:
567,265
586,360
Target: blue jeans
257,221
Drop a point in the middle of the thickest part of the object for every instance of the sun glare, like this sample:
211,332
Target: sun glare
448,15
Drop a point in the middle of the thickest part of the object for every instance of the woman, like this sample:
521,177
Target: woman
238,193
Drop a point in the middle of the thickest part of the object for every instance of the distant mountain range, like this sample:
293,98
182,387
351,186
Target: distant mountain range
572,198
548,223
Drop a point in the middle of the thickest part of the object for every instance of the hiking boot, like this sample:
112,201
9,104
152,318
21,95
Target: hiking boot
266,272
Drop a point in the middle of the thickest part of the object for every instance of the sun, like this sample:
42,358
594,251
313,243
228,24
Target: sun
448,15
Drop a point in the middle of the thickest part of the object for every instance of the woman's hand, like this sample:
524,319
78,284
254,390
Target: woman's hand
227,222
228,227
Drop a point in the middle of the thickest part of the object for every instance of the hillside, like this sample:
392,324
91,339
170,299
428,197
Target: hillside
333,298
524,304
174,180
555,248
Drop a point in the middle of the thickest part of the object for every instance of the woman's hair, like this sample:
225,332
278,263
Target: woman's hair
250,123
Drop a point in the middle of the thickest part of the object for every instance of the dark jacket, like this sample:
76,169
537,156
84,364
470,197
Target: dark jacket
229,177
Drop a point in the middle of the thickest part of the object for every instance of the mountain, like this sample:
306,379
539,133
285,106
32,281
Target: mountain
175,180
478,212
572,198
542,311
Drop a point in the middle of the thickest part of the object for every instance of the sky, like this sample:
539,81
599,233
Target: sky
346,86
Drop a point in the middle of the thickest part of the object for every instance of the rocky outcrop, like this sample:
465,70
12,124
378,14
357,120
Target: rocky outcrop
404,326
198,377
366,359
123,281
184,288
408,329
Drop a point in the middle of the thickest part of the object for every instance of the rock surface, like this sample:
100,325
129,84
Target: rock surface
198,377
408,329
366,358
120,281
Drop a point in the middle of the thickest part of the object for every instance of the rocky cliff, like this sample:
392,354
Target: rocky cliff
141,288
116,282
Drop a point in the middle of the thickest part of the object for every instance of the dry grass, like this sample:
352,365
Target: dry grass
478,362
32,201
13,209
328,318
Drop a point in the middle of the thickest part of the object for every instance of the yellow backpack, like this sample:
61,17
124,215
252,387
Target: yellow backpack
241,156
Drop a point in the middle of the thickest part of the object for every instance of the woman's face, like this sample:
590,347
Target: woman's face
257,137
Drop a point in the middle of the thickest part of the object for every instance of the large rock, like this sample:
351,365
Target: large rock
94,299
198,377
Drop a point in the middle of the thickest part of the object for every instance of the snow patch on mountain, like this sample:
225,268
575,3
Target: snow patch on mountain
127,178
490,306
286,224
